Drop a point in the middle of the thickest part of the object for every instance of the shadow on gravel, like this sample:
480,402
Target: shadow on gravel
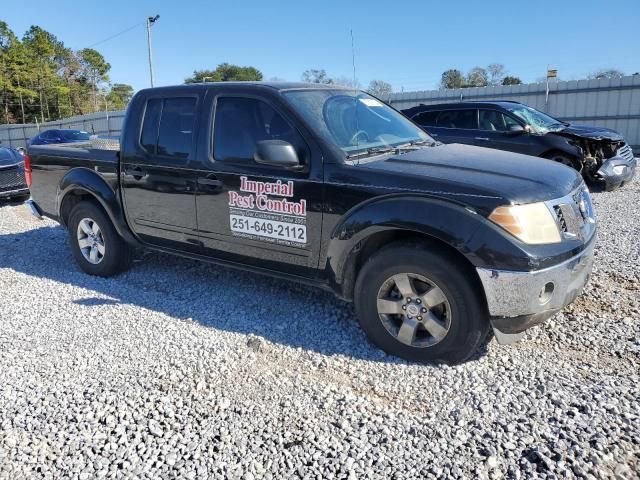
217,297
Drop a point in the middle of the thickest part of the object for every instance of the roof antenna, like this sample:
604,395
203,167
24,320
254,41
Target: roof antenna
353,59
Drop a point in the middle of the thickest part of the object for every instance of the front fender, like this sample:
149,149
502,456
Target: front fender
104,190
449,222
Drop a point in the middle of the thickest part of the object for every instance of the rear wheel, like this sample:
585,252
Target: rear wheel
416,303
95,243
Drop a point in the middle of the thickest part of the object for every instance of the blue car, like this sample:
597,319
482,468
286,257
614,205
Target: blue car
59,136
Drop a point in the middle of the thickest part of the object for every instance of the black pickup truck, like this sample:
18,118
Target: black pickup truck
436,244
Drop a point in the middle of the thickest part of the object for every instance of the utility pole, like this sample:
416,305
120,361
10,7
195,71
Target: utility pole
150,22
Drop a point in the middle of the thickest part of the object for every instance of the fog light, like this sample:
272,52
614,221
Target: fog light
619,169
546,293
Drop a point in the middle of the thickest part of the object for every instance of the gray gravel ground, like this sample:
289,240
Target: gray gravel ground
182,370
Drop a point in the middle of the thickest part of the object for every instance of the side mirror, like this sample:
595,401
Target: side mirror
276,153
516,130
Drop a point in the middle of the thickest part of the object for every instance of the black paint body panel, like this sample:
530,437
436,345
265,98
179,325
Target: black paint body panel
444,192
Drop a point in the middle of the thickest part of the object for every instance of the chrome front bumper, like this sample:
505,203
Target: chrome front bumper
519,300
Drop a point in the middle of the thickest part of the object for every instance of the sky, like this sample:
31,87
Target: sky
408,43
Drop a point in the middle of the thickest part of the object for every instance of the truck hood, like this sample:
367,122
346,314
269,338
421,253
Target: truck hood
592,133
464,171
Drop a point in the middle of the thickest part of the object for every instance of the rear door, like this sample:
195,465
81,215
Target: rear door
158,177
494,132
257,214
457,126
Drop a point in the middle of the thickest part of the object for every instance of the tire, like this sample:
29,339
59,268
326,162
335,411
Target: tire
96,246
566,160
456,322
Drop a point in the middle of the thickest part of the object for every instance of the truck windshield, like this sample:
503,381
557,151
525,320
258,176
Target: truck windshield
540,122
355,122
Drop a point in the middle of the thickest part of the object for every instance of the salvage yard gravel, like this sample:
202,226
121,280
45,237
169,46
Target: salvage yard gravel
177,369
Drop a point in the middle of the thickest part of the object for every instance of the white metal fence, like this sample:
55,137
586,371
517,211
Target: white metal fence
612,103
100,123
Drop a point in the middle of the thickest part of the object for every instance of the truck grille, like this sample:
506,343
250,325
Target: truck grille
12,178
574,214
626,153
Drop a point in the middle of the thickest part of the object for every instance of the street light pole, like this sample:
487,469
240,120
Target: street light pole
150,22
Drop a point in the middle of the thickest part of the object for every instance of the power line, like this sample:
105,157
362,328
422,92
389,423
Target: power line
117,34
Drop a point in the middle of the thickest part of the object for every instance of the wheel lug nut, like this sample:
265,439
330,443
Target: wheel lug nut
404,307
408,300
418,301
424,310
419,318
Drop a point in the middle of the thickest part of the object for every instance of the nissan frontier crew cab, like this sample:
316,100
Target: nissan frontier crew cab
437,245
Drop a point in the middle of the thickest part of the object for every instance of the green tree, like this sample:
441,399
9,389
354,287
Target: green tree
510,80
225,72
452,78
94,70
119,96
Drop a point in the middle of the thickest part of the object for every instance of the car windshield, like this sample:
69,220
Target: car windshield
540,122
355,122
74,135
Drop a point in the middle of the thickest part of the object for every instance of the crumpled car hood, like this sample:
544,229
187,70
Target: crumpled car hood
593,133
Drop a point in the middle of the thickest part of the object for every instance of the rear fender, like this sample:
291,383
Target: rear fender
91,183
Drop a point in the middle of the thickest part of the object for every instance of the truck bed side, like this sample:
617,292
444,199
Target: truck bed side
52,164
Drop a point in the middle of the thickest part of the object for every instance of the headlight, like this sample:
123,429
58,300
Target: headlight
532,223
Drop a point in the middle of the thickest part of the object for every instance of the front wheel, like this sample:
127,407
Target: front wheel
415,302
95,243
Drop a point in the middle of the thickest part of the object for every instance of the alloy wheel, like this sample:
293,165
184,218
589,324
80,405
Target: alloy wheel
90,241
414,310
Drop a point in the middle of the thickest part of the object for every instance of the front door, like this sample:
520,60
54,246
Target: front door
158,179
252,213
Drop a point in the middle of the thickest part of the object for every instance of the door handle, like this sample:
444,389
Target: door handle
484,139
210,182
135,172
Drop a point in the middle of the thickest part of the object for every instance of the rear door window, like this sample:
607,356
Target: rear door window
168,127
466,119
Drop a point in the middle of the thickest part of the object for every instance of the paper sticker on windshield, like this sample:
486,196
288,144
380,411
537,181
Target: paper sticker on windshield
264,211
371,102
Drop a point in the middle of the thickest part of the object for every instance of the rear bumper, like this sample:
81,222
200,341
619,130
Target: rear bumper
18,192
519,300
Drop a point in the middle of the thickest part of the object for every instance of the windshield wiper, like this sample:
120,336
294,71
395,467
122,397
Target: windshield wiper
372,151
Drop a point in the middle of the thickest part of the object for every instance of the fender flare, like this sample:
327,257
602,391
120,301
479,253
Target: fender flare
451,223
92,183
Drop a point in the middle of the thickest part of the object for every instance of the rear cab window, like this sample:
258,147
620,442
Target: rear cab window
168,127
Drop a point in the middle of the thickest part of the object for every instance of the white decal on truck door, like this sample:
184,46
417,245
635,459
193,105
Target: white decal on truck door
254,214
